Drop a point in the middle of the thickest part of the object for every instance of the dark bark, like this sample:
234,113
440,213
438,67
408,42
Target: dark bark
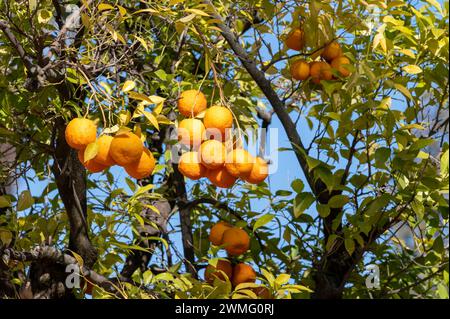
70,177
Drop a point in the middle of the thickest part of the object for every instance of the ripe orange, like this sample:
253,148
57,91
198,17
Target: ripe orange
91,165
300,70
103,156
216,233
243,273
191,102
191,132
339,64
239,162
190,166
212,272
126,148
295,40
236,241
320,70
142,168
80,132
259,172
212,154
217,119
220,177
331,51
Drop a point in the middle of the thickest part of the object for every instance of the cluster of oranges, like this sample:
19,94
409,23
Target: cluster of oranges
236,242
213,153
331,54
125,149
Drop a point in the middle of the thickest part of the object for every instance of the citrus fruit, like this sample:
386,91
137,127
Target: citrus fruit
259,172
239,162
236,241
211,272
143,167
126,148
191,103
190,166
295,40
212,154
216,233
191,132
80,132
243,273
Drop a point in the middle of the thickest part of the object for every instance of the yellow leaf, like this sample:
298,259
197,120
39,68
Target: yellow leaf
152,119
188,18
124,117
139,111
403,90
157,110
104,6
139,96
137,130
128,86
412,69
146,10
112,129
143,42
197,12
156,99
91,151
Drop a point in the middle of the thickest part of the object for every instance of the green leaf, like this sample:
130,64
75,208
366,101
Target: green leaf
323,210
262,221
349,245
302,202
444,164
4,201
25,200
5,237
44,16
297,185
338,201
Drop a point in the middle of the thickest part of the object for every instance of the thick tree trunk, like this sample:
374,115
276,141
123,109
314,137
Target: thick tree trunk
70,178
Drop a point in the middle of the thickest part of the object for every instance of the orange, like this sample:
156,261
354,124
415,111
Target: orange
142,168
191,132
295,40
339,64
239,162
190,166
126,148
217,120
103,156
243,273
80,132
300,70
212,154
216,233
212,272
191,102
91,165
331,51
320,70
220,177
259,172
236,241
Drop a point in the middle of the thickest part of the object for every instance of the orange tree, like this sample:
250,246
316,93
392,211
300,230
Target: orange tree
359,89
